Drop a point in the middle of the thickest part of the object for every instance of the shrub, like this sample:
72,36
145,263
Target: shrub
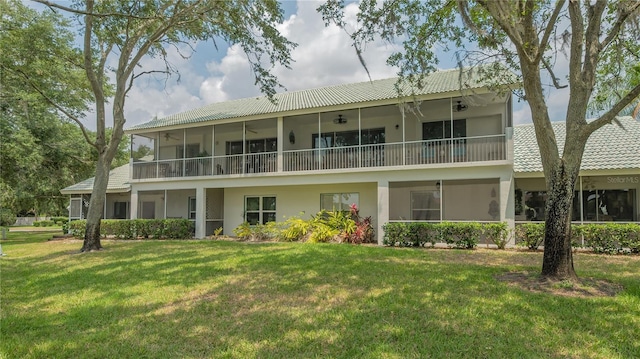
294,229
415,234
631,239
463,235
44,223
530,235
59,221
325,226
138,228
611,238
497,233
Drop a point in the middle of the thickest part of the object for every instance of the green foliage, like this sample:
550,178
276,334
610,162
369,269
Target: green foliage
325,226
174,228
609,238
498,233
294,229
465,235
411,234
7,217
44,223
530,235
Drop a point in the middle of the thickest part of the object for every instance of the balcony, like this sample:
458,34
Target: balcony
408,153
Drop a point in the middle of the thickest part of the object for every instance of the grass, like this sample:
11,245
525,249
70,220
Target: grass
219,299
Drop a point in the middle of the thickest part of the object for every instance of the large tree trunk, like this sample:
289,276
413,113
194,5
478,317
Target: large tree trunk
557,261
96,206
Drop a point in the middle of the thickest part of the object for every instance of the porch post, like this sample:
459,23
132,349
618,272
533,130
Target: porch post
359,137
133,211
404,138
201,209
280,144
507,203
383,208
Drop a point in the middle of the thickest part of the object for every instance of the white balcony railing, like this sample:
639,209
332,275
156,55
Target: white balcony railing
459,150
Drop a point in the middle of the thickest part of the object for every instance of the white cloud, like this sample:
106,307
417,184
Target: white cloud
324,57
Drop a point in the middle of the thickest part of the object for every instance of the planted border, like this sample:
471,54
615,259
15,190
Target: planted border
607,238
464,235
174,228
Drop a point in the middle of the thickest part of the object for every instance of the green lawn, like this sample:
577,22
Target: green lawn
216,299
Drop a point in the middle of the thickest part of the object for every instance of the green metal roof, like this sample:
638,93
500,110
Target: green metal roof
355,93
118,183
610,147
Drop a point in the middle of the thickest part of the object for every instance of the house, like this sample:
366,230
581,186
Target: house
440,154
609,179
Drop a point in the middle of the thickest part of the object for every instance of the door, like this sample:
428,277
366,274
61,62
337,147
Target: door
148,210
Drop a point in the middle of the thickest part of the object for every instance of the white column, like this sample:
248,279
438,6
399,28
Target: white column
383,208
201,212
133,206
281,139
507,203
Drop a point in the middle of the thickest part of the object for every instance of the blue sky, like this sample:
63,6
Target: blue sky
324,57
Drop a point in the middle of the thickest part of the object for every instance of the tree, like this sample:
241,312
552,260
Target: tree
126,31
41,151
602,47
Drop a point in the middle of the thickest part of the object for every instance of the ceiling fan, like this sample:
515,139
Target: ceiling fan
340,120
460,107
168,137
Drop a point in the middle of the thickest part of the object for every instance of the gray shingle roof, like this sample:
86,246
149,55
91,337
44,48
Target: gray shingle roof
118,182
610,147
362,92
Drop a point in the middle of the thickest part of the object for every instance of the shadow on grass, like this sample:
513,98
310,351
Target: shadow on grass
223,299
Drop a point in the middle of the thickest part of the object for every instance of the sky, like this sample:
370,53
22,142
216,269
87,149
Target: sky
324,57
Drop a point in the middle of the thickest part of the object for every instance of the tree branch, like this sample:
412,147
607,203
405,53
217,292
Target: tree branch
615,110
58,107
615,29
549,30
53,5
552,74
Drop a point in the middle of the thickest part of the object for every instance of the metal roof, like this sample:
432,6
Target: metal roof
355,93
118,183
610,147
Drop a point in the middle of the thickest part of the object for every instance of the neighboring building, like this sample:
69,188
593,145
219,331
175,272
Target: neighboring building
440,154
609,180
118,196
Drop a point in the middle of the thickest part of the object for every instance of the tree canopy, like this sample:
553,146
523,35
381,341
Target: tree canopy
41,151
118,34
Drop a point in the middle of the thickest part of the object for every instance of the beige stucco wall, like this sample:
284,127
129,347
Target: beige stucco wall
302,201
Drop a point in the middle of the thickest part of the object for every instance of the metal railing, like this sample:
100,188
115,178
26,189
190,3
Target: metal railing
458,150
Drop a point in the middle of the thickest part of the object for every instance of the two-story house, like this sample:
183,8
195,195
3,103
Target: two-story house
443,153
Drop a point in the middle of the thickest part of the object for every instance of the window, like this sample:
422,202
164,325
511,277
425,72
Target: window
120,210
439,130
260,209
193,150
349,138
253,146
338,201
192,207
605,205
425,205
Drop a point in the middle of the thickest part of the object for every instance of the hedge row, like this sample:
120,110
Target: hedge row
138,228
610,238
455,234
